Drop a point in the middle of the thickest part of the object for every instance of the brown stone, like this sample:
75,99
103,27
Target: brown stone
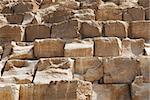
79,49
132,47
121,69
111,92
90,29
116,29
140,29
48,48
53,69
147,12
11,32
144,3
66,30
37,32
147,49
107,46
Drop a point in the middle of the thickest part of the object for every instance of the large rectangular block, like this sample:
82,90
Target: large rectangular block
107,46
140,29
121,69
54,69
48,48
116,29
79,49
57,90
111,92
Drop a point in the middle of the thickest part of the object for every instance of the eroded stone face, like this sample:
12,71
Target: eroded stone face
57,90
54,69
79,49
121,69
107,46
49,48
111,92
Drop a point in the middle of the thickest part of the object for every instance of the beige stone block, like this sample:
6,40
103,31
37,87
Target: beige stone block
107,46
48,48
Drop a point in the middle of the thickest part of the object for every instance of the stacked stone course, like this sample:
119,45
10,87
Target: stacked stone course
75,49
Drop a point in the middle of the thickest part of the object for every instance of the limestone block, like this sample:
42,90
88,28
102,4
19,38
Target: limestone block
89,67
140,90
53,69
144,3
145,68
90,29
9,91
111,92
147,12
48,48
79,49
59,90
134,13
132,47
18,71
66,30
140,29
121,69
116,29
37,32
11,32
107,46
108,11
21,51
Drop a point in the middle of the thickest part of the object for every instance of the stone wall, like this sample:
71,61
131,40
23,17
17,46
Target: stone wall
75,49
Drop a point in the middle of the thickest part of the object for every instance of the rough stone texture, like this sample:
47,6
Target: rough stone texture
144,3
1,50
107,46
140,90
140,29
91,29
108,12
90,67
54,69
134,13
18,71
11,32
145,68
79,49
21,51
121,69
49,48
59,90
147,12
66,30
9,91
111,92
132,47
116,29
147,49
37,32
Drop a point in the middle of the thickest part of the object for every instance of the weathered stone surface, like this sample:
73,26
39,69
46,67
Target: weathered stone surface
140,29
66,30
144,3
7,50
84,14
147,49
59,90
11,32
79,49
89,67
9,91
121,69
108,12
140,90
90,29
54,69
134,13
21,51
132,47
147,12
116,29
145,68
107,46
48,48
111,92
37,32
18,71
1,50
